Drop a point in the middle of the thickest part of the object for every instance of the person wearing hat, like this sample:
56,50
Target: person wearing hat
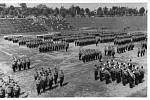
50,80
105,50
55,75
107,76
131,79
19,64
96,72
99,56
14,65
142,72
138,52
113,74
16,90
61,77
2,92
36,75
27,61
43,81
137,76
38,85
101,73
49,70
118,74
9,91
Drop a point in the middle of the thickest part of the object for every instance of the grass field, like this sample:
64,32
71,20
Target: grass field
79,77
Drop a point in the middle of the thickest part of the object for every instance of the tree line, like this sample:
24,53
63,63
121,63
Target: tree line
73,11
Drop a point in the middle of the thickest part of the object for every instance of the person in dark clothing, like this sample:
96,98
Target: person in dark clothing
61,78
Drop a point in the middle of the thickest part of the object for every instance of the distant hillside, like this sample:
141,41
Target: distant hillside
113,23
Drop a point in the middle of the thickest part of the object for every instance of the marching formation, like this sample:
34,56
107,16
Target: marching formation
110,71
42,45
109,51
54,47
122,40
142,50
21,64
89,55
9,88
45,78
124,73
124,48
85,42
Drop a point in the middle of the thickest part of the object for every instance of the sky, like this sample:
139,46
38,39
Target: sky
91,6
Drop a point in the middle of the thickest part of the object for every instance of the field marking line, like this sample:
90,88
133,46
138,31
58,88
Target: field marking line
9,54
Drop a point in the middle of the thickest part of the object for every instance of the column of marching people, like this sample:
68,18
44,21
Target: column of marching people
21,64
47,78
112,71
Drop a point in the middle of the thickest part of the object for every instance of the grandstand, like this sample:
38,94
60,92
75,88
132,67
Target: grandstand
26,25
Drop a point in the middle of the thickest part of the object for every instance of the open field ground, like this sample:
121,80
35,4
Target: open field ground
79,77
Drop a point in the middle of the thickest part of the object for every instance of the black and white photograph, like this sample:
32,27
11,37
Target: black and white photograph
73,49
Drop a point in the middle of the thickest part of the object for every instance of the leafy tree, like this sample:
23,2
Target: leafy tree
92,13
105,10
23,6
45,12
82,12
63,12
77,10
100,11
142,10
87,11
72,11
56,11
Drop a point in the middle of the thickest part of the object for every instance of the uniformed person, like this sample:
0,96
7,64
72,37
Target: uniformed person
36,75
137,76
80,54
100,56
28,63
105,51
2,92
67,46
131,79
113,53
100,72
19,64
125,77
43,81
138,52
24,64
16,90
142,72
118,75
50,80
14,66
113,74
38,85
55,75
107,76
96,72
61,77
9,91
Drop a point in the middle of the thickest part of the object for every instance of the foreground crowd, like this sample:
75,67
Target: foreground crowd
46,78
112,71
9,88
